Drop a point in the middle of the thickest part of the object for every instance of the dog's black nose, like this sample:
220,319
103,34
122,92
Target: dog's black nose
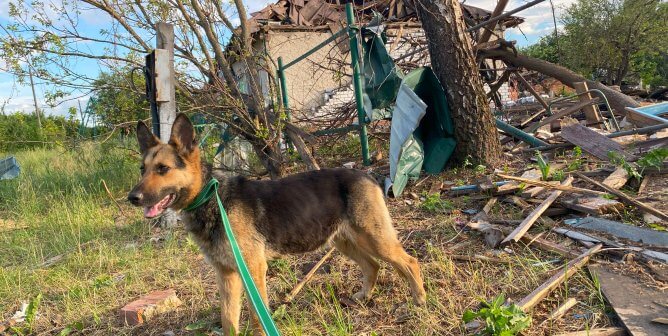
135,197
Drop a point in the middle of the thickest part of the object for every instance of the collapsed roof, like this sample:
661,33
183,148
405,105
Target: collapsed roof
320,13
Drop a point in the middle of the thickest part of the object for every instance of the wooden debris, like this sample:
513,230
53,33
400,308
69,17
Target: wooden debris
553,282
562,309
435,188
563,113
528,222
592,142
478,257
307,277
512,187
597,332
545,245
632,301
625,198
592,113
479,222
548,185
617,179
592,205
661,320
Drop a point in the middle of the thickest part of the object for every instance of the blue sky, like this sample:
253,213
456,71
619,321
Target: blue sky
17,97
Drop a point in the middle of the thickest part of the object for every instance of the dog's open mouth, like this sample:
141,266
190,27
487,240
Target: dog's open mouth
158,208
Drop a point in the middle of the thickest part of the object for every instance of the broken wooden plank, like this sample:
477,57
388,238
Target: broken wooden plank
512,187
632,301
597,332
617,179
592,113
553,282
562,309
548,185
528,222
647,115
617,229
563,113
592,142
545,245
592,205
625,198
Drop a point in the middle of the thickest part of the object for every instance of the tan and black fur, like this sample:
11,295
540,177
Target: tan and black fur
296,214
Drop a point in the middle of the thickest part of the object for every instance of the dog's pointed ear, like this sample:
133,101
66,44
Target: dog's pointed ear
145,138
183,134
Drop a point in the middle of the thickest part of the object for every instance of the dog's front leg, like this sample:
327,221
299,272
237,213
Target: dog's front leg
230,288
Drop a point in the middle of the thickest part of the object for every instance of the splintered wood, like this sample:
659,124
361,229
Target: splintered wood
548,286
535,214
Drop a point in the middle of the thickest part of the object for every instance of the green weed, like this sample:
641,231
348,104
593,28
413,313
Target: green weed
499,319
434,203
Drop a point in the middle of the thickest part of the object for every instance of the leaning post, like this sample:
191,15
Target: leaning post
165,93
353,30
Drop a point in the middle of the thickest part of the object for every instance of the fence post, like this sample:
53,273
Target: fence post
357,82
284,96
164,78
165,93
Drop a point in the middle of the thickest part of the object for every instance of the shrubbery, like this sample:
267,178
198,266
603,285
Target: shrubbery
19,131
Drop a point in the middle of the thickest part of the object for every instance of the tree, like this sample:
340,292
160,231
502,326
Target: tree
117,99
455,66
545,49
601,37
53,36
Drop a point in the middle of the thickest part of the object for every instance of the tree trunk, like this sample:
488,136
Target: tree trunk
455,66
618,101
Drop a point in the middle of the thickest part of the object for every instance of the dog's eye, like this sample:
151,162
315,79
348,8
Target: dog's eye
142,169
162,169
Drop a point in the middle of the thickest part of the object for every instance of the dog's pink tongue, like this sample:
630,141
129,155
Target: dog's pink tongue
152,211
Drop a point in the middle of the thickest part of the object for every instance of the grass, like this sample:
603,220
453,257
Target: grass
62,237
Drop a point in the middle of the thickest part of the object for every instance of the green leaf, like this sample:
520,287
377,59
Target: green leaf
469,316
197,325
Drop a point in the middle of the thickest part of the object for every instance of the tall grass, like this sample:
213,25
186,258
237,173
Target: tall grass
63,236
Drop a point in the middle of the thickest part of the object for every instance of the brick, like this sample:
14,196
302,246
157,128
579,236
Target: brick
149,305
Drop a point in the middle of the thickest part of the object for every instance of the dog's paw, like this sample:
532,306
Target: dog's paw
420,300
361,296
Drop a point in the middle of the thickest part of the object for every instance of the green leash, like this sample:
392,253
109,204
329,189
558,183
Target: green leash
210,189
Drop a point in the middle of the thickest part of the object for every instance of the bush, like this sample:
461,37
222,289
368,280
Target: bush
19,131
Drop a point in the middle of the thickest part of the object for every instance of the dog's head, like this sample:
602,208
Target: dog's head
171,173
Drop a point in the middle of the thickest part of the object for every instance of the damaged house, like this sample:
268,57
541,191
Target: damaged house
322,82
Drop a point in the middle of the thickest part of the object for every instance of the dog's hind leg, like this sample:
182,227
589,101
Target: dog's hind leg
375,235
230,288
368,264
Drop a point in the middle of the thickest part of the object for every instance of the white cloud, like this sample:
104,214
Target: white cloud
538,19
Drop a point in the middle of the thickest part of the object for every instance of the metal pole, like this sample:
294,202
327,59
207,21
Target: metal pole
284,97
284,88
357,82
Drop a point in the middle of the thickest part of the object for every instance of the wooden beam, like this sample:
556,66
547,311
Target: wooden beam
531,89
592,113
535,214
548,185
553,282
625,198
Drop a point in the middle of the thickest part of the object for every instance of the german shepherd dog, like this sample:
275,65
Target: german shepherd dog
296,214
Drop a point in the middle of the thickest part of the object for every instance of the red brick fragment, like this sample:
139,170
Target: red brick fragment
147,306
